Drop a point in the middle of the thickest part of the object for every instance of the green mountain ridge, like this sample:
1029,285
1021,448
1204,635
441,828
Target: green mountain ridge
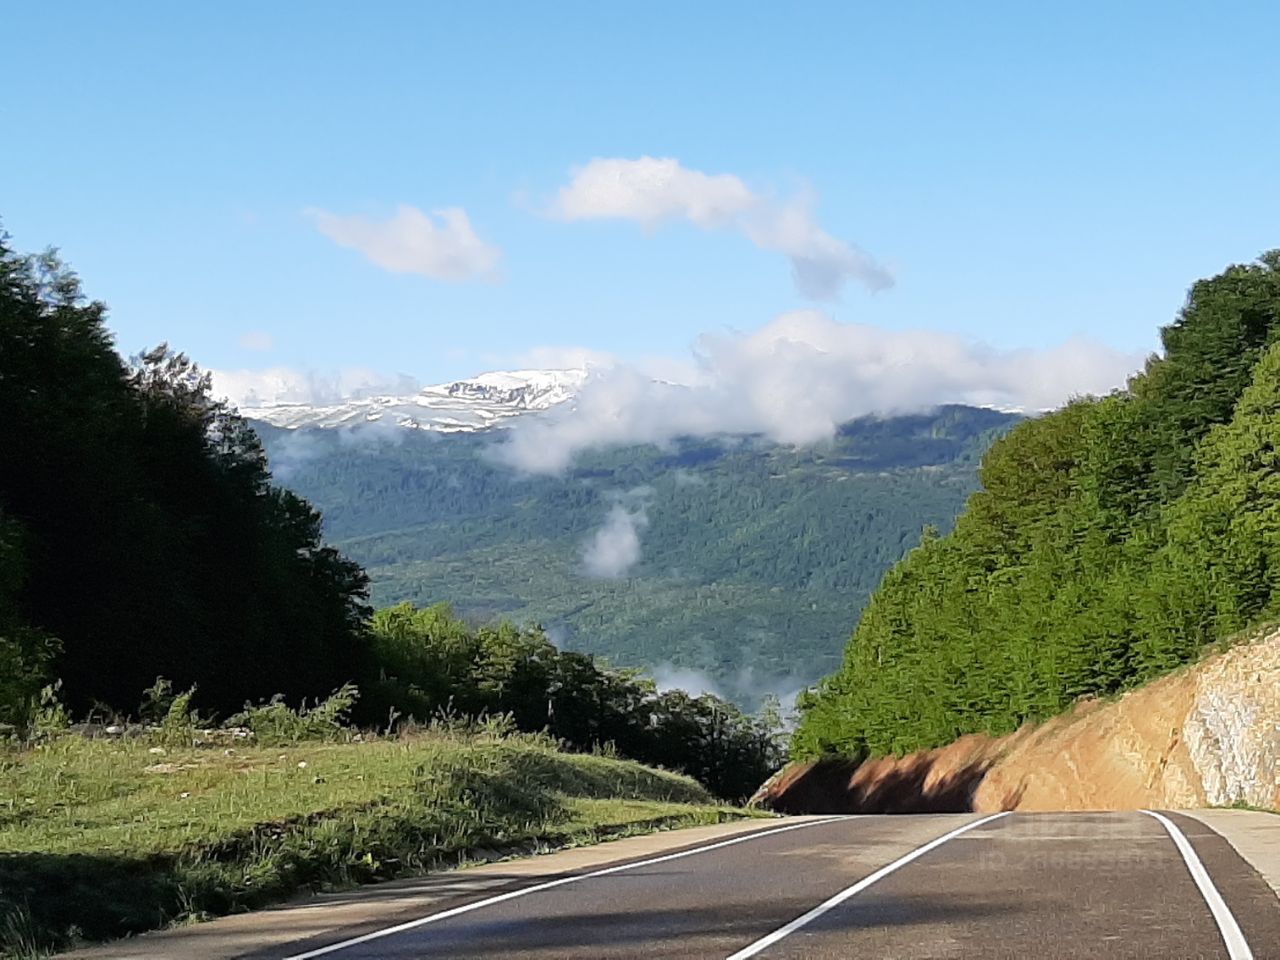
755,559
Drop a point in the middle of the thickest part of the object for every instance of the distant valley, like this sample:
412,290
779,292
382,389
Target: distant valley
732,564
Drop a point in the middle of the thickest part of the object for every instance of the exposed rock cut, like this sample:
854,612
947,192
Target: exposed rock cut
1207,735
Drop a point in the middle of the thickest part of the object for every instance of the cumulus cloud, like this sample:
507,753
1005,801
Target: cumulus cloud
614,548
654,190
255,388
650,190
257,340
797,378
442,245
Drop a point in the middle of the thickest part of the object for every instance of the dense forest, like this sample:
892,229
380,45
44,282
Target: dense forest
1112,540
140,532
754,558
142,536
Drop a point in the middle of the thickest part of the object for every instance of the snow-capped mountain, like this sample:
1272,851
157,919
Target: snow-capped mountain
458,407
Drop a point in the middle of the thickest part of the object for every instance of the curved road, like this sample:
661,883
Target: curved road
1077,885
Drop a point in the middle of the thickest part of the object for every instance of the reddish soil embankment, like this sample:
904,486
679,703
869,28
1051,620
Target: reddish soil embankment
1207,735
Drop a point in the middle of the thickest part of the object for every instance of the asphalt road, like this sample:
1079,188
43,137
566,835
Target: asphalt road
1018,885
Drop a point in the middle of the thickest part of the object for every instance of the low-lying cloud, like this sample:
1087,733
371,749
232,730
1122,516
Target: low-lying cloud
667,676
745,687
292,450
654,190
797,378
614,549
255,388
414,242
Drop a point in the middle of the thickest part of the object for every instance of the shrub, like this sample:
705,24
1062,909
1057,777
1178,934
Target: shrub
276,723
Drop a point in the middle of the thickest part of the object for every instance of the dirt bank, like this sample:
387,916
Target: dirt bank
1207,735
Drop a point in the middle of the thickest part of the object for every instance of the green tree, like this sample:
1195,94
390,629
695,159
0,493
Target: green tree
1111,540
157,542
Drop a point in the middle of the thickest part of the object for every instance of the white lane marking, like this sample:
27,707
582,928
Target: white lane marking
1237,947
525,891
785,931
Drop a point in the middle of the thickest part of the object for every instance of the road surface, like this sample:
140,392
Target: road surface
1062,885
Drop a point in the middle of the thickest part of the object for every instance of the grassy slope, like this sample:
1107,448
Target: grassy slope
105,838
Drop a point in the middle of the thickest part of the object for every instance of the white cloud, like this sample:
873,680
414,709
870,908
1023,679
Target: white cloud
414,242
615,547
653,190
793,380
745,687
667,676
797,378
258,341
253,388
293,451
650,190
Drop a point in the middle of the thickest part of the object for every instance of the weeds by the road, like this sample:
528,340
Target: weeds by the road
101,838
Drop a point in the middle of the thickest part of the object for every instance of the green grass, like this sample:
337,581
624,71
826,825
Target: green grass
100,839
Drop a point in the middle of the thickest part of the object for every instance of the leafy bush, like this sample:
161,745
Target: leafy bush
274,723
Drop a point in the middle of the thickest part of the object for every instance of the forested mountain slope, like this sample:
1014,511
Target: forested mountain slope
1112,540
753,559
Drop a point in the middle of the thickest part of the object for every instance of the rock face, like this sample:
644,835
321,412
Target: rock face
1206,735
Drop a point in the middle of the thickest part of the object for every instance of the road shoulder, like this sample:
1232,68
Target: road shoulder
1252,834
384,904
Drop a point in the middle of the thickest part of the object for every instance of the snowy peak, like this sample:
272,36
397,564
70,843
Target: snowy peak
522,389
462,406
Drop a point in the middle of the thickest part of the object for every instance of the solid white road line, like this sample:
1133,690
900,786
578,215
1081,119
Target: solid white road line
525,891
785,931
1237,947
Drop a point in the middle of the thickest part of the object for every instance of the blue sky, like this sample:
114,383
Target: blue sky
1027,173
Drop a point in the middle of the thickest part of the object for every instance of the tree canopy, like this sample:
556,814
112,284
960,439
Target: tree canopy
139,525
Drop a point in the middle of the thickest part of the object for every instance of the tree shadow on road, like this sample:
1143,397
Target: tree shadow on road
908,785
648,930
